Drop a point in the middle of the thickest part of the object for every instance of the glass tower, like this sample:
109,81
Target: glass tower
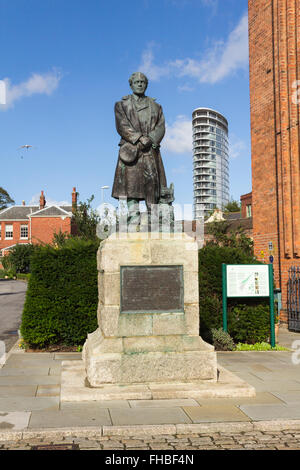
211,165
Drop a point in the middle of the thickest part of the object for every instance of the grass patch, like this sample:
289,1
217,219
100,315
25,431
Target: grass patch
259,347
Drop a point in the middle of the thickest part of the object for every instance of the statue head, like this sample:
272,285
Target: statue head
138,83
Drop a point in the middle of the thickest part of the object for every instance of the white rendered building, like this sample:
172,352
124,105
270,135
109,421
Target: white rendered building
211,165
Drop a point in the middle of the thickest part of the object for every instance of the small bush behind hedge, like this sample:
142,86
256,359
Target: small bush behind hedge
222,340
18,259
250,324
211,257
62,295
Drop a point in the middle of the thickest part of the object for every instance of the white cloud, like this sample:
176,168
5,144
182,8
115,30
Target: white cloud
178,138
36,84
210,3
185,87
152,71
221,60
180,170
183,3
237,147
35,200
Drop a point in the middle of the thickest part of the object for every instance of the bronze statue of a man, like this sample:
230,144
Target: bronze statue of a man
140,173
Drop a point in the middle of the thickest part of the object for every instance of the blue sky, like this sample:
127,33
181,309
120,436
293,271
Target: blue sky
65,63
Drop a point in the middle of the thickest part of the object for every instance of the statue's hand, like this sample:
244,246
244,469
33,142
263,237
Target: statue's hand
145,141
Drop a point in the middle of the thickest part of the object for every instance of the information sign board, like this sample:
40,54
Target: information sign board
247,280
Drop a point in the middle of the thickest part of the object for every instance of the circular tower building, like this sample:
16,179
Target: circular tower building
211,161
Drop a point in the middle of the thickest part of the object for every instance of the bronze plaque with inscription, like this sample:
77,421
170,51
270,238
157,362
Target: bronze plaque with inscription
151,289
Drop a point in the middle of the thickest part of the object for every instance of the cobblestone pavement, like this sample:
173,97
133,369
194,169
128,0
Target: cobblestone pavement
255,440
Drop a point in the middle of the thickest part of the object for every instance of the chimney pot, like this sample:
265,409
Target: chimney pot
42,200
74,199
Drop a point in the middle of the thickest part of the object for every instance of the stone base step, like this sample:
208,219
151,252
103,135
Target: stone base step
74,387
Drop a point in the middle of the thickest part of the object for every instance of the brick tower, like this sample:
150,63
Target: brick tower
274,46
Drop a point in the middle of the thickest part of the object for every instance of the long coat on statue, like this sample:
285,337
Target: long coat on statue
140,173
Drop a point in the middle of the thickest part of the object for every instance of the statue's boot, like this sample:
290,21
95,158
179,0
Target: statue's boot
134,215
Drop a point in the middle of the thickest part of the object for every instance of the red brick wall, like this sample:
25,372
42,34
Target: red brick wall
16,234
43,228
274,49
246,200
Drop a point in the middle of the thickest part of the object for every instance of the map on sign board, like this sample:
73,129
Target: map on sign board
247,280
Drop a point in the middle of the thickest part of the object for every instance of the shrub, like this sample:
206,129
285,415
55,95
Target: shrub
259,347
8,266
62,295
18,259
211,257
250,324
23,276
222,340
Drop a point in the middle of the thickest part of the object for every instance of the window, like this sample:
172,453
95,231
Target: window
24,231
9,234
248,210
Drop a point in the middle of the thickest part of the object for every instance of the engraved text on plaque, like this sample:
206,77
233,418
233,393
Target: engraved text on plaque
151,289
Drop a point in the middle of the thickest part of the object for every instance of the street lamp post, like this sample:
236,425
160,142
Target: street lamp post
102,193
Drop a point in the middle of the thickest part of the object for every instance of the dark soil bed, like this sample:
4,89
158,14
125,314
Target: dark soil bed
54,348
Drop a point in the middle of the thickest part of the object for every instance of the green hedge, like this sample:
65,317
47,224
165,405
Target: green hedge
23,277
211,257
250,324
62,295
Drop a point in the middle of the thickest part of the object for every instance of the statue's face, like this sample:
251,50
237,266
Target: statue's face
139,85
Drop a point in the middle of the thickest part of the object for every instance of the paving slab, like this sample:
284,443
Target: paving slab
22,403
67,356
48,391
32,355
277,385
55,370
271,412
260,398
162,403
260,368
17,371
21,361
9,391
93,406
134,416
289,397
14,421
287,338
215,413
29,380
69,418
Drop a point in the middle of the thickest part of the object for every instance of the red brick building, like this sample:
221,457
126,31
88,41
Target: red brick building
274,47
34,224
246,205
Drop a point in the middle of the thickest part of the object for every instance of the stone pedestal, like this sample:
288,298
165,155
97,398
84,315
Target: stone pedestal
157,345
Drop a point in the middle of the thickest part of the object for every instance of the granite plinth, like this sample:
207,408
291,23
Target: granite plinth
158,347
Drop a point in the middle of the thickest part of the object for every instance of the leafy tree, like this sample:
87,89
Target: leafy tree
5,199
233,239
18,259
59,239
232,206
86,220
